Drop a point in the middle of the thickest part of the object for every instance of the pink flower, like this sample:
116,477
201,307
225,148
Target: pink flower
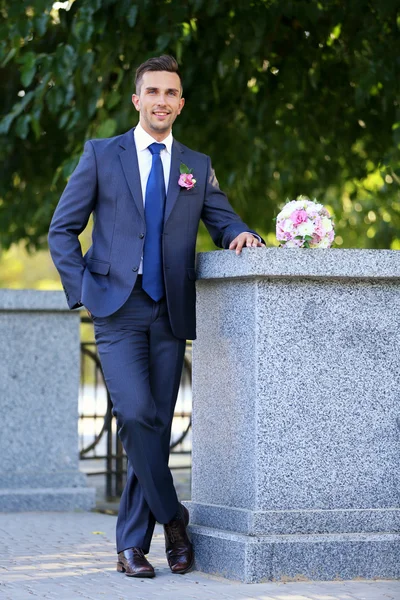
283,235
299,216
319,230
284,229
280,234
293,244
186,180
316,239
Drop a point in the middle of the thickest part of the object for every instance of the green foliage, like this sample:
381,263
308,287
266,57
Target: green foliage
184,170
287,97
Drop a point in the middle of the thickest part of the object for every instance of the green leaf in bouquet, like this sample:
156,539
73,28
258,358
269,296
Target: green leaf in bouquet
308,238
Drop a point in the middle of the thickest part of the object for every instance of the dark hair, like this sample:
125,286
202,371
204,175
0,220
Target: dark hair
158,63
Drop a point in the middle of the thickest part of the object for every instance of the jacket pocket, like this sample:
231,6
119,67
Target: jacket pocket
98,266
191,273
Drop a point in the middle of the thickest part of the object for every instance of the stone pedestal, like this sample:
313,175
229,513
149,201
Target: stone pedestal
39,385
296,415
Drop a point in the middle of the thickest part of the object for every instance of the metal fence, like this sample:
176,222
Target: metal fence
100,448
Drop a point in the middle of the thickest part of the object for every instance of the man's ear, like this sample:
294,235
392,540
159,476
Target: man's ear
136,102
181,105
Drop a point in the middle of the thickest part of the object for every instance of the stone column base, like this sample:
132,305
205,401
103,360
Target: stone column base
47,499
288,522
255,559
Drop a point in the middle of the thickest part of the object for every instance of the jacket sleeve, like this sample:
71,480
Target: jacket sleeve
69,220
222,222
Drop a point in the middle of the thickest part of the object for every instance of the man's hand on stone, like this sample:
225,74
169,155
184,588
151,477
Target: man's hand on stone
245,239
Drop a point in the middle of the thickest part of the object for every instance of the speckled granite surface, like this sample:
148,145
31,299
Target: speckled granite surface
32,300
303,262
296,379
39,383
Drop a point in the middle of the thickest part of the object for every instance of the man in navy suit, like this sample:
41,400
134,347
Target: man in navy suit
137,282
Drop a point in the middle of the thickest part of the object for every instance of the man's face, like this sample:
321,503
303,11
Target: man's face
159,102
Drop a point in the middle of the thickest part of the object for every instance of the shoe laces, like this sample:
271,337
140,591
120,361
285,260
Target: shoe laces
173,531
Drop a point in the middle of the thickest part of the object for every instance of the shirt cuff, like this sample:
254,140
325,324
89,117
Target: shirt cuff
254,235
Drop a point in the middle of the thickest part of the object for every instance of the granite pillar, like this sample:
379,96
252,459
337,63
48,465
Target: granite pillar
39,385
296,415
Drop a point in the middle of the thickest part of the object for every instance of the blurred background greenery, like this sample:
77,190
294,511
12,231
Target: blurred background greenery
288,98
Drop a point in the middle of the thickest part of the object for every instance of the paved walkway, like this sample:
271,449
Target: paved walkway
58,556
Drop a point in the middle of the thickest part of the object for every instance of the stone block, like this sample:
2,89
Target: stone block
39,385
296,372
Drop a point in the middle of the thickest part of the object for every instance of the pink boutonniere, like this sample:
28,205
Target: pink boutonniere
186,178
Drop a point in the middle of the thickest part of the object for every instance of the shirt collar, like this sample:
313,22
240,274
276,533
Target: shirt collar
143,139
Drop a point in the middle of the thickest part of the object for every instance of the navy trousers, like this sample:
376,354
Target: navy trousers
142,364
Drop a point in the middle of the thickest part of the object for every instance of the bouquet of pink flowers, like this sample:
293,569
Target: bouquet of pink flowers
304,224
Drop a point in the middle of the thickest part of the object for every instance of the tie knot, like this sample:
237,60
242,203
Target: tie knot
156,148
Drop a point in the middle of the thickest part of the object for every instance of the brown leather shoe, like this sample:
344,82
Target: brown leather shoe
133,563
178,548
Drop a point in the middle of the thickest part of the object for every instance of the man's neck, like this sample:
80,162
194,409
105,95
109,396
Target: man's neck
158,136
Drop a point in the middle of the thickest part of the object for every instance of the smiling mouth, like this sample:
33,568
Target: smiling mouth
160,113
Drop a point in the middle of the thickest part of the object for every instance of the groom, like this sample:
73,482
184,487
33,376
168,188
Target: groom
137,281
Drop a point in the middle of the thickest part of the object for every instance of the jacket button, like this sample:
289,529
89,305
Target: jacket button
135,269
141,235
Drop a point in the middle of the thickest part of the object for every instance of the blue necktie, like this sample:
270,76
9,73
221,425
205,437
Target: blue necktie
153,278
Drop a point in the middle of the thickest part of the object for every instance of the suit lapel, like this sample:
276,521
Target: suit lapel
130,167
173,187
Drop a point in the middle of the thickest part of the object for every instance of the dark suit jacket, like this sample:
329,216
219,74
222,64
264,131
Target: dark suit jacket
107,183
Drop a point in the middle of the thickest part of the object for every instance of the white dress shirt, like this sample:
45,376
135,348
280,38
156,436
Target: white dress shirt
142,142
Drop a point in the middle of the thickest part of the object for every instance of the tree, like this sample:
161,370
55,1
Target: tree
287,97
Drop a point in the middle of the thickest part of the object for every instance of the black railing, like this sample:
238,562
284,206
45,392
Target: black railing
100,446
